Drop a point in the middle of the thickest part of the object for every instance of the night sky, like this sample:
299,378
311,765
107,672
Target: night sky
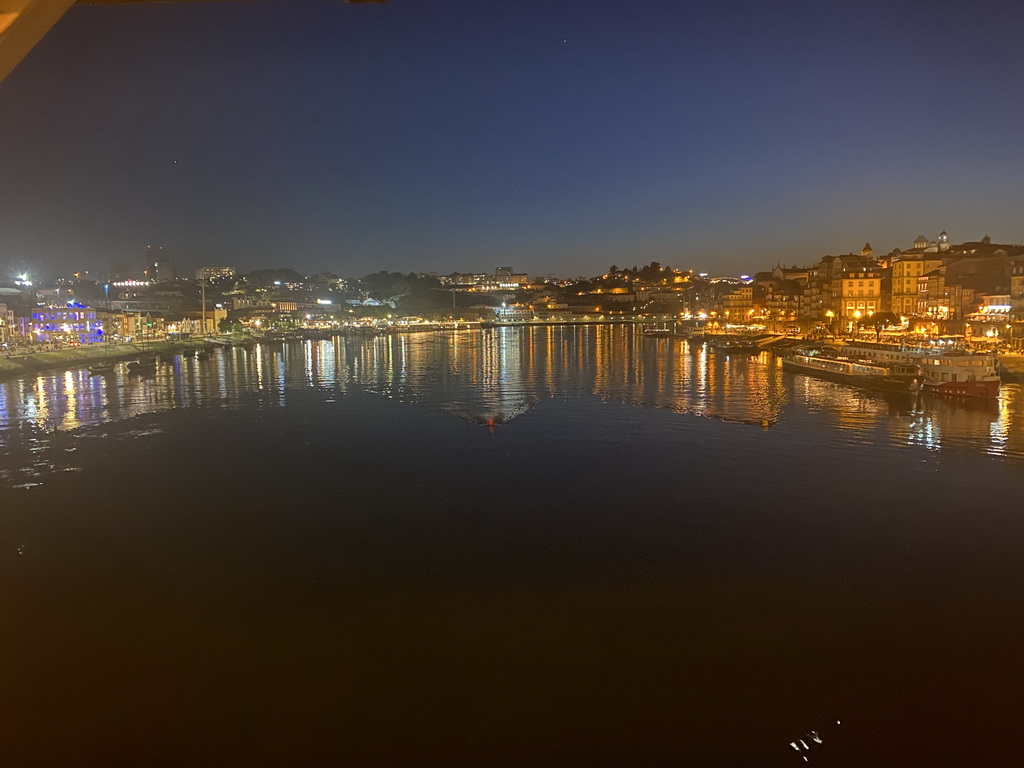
462,135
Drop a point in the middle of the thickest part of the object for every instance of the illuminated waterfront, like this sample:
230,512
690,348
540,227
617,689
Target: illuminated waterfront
500,374
547,545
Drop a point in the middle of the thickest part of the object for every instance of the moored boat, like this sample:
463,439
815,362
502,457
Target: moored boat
943,370
960,375
736,344
143,366
858,374
98,369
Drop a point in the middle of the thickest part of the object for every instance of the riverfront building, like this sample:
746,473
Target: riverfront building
513,314
906,273
860,293
738,304
64,324
6,325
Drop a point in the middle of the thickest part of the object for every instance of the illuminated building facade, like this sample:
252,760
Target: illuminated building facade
513,314
215,273
192,323
738,303
860,294
74,325
1017,301
906,274
6,325
503,279
785,300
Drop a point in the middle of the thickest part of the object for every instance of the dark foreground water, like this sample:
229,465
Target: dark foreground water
327,554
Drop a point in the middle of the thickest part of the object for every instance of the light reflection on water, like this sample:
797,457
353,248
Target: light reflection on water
802,568
494,376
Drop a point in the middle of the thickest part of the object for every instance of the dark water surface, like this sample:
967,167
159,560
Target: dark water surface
321,553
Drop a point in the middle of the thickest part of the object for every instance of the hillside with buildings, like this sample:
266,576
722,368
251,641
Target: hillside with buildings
974,289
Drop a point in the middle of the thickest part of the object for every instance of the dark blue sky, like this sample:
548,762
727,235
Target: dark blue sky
553,136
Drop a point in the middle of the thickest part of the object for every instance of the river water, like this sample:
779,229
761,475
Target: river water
547,546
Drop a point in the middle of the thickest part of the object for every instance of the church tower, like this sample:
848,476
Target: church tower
943,241
867,250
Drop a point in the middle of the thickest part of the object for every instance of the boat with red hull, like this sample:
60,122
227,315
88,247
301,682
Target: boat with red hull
942,371
982,389
960,375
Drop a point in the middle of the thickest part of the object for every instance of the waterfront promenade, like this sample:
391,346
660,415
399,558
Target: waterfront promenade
11,366
77,357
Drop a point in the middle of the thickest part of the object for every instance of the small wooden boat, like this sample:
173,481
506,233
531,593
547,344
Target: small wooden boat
101,368
142,367
736,345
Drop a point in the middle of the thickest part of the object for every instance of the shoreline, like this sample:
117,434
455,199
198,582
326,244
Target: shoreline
1011,365
81,357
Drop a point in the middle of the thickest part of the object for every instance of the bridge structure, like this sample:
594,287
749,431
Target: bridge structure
23,23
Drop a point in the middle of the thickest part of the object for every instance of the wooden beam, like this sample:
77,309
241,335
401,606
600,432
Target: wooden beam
23,24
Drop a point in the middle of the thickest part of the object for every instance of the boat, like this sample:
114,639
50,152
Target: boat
98,369
142,367
960,375
882,378
317,334
658,333
737,345
202,354
943,370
